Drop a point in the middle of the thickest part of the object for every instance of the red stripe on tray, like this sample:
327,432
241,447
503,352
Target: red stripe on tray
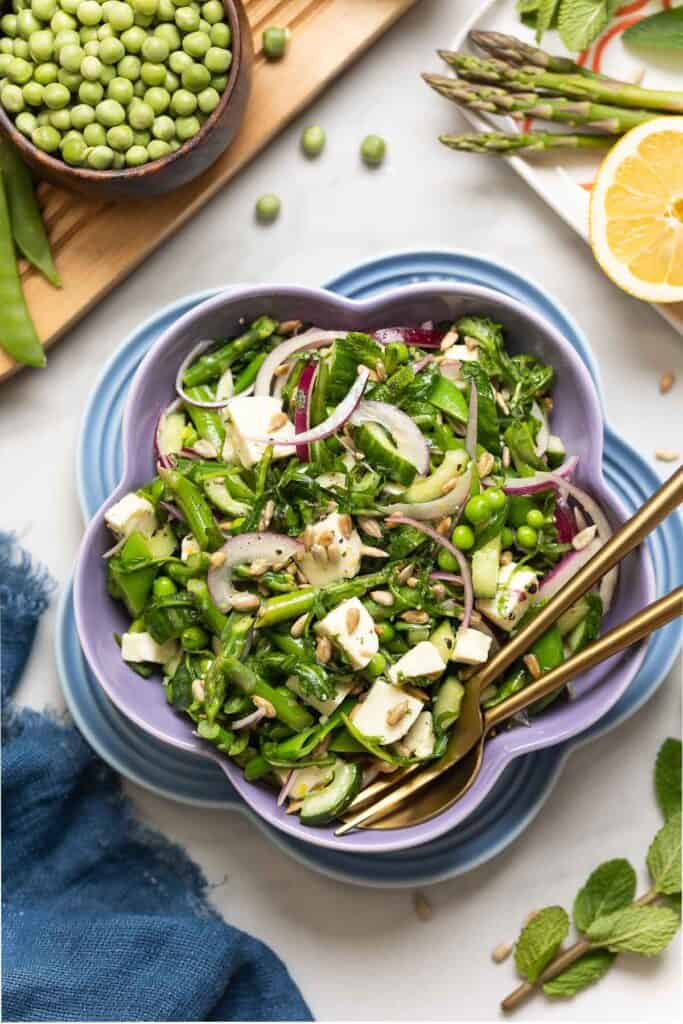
636,6
615,30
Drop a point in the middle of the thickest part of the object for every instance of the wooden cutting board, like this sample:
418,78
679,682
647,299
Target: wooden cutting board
97,243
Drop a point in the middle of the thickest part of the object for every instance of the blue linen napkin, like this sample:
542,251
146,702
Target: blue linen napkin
102,918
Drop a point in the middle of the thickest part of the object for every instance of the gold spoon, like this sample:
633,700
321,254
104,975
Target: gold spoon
372,804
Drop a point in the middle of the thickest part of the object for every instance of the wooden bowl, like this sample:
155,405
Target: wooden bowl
176,169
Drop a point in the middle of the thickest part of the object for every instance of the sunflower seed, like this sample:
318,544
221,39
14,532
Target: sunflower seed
258,567
380,370
667,455
308,536
217,559
415,618
399,711
373,552
531,662
325,537
282,369
583,539
405,572
506,457
319,554
382,597
501,952
333,554
448,341
277,421
352,619
444,525
471,343
666,382
485,464
371,527
244,602
449,485
298,626
323,650
345,525
438,591
264,705
198,689
267,515
289,326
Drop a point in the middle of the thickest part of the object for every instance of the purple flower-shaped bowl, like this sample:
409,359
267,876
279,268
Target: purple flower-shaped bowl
576,417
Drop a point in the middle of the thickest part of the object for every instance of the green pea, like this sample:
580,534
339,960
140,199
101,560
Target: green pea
386,632
60,21
204,26
120,137
60,119
8,25
155,49
26,123
196,77
105,32
158,99
110,113
275,42
71,57
91,68
27,24
107,74
81,115
139,89
194,638
163,128
527,537
140,115
121,90
142,138
268,208
212,11
43,118
183,103
174,144
376,665
45,73
136,156
67,37
372,150
477,509
41,45
89,12
120,17
208,100
74,152
145,7
70,6
157,149
7,46
56,96
5,61
111,51
218,60
220,35
70,79
94,134
100,158
186,127
164,586
507,537
20,48
12,98
153,74
197,44
119,161
171,83
44,9
166,11
133,38
446,561
92,48
535,518
129,67
88,35
19,71
179,60
463,537
187,19
90,93
170,35
46,138
313,140
33,93
495,498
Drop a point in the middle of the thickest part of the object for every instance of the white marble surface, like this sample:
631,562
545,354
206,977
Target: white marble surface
361,954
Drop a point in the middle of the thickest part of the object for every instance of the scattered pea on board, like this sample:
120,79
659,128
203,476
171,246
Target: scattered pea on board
268,208
313,140
372,150
275,41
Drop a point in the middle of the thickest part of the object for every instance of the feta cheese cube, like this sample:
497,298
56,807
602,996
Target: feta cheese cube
387,713
422,660
323,570
463,354
419,741
189,546
516,591
143,647
132,513
325,707
307,779
250,417
471,647
229,454
352,629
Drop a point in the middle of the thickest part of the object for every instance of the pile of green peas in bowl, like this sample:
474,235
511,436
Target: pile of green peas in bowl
116,84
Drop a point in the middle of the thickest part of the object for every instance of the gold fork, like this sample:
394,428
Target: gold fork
372,804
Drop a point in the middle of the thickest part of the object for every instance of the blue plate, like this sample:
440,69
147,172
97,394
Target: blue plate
527,782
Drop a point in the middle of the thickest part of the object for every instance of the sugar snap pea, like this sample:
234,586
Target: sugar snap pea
27,224
18,335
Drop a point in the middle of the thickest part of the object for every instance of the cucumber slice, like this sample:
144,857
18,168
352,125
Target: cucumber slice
448,397
219,495
162,543
573,616
347,354
429,488
485,568
555,451
171,429
447,704
382,453
443,639
327,804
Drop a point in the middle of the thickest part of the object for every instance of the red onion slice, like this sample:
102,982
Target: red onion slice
567,567
274,548
457,555
312,338
173,407
302,408
285,788
422,337
332,424
471,435
543,435
448,505
609,581
540,481
248,720
420,364
447,577
565,524
408,438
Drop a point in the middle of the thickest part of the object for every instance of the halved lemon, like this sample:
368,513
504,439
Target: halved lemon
636,211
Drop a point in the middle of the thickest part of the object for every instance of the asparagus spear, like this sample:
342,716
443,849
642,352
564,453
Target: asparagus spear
493,100
499,142
521,79
516,51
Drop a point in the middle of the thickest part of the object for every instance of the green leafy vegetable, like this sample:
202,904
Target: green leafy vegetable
539,941
547,10
610,887
663,31
586,971
579,22
636,929
664,857
668,777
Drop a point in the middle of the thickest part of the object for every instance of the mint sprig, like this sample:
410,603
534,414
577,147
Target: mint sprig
606,914
579,22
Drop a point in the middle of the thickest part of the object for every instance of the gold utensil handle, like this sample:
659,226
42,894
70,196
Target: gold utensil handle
632,533
640,625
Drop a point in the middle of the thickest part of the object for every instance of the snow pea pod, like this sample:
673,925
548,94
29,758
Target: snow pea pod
195,508
207,422
18,335
27,224
211,366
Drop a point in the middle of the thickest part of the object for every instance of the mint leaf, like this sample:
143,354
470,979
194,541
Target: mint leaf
539,941
610,887
668,770
664,857
663,31
636,929
544,18
586,971
581,21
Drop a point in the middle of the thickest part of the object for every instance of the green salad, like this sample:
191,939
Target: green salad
343,528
